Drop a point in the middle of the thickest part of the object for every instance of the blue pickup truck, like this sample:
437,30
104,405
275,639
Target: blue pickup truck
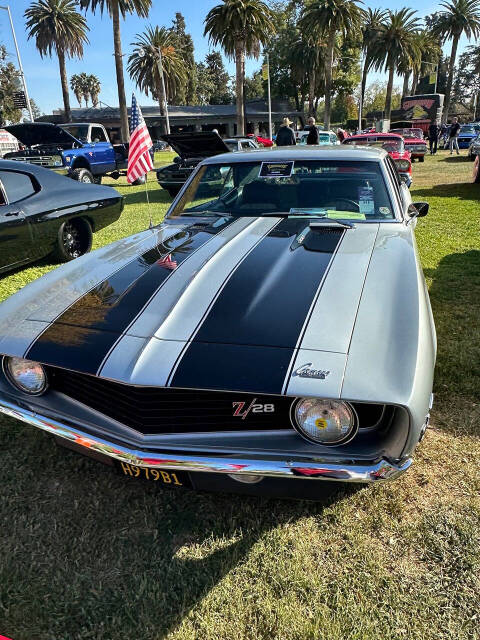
81,151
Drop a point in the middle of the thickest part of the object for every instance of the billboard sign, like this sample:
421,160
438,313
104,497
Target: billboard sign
423,107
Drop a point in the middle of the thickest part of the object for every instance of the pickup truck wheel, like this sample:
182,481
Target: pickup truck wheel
82,175
73,240
421,159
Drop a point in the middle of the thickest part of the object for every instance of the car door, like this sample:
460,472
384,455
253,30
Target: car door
16,240
104,155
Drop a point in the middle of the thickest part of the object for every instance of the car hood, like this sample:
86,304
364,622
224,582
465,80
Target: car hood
33,133
202,144
266,305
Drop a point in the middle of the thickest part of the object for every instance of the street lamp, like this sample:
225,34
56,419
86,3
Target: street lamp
27,98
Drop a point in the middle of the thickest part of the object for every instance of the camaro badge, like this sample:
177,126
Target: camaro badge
306,372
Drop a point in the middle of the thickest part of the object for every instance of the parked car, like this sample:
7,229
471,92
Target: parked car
324,137
82,151
474,148
192,148
466,135
393,144
159,145
272,335
261,140
42,213
414,142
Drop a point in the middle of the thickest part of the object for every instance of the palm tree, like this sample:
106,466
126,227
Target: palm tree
94,87
77,88
144,63
427,55
329,19
117,8
371,28
57,25
460,17
396,46
240,27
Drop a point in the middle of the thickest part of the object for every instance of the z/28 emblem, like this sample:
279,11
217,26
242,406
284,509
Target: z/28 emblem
241,412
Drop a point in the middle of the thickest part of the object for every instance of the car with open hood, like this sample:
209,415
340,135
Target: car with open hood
42,213
414,142
270,334
390,142
192,148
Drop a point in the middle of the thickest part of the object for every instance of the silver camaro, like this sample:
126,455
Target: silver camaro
275,330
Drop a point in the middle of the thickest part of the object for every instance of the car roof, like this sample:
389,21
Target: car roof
282,154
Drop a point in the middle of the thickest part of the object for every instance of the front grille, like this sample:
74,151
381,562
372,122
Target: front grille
155,410
42,161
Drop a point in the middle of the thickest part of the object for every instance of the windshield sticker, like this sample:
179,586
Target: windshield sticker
346,215
366,202
276,169
384,211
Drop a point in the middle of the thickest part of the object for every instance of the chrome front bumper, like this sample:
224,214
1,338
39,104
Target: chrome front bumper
256,464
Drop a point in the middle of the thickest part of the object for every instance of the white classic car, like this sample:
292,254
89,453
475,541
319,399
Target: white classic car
273,332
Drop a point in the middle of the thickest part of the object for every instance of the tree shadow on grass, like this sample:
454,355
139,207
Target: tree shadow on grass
159,196
461,159
86,552
463,191
455,298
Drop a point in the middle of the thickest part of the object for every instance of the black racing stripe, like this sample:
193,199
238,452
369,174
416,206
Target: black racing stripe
253,328
82,336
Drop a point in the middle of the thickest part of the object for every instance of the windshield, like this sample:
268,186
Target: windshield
409,133
467,129
391,145
323,188
78,131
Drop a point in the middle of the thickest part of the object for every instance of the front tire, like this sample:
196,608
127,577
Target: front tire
74,239
82,175
421,159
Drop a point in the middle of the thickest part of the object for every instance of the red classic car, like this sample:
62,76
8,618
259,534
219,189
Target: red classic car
414,142
265,142
392,143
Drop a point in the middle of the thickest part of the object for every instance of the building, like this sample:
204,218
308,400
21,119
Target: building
222,117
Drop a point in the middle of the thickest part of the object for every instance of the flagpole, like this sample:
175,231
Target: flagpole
269,100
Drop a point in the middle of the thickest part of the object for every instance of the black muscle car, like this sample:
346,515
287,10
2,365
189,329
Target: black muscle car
44,213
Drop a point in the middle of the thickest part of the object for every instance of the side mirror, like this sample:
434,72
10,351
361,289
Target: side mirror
418,209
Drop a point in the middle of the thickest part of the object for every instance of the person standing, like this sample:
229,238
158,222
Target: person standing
433,137
285,135
313,137
453,136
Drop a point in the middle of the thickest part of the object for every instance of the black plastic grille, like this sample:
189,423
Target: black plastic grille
154,410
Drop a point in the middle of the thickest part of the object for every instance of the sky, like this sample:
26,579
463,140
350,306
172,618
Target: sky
43,76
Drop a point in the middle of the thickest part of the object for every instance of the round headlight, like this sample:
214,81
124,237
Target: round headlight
327,422
28,376
403,165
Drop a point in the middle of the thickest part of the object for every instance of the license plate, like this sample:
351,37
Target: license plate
167,478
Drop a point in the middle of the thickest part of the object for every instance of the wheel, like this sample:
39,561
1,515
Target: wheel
471,157
421,159
97,179
476,170
82,175
73,240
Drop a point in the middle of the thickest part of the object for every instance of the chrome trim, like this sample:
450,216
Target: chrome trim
256,464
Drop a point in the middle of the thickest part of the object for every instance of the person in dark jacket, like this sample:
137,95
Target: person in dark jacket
433,132
285,135
313,137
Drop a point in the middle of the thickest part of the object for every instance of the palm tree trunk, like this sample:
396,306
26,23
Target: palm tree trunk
406,78
161,101
239,86
117,45
366,69
328,79
388,98
451,68
414,83
64,81
311,93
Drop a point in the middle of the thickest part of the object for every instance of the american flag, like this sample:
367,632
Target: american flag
168,262
139,158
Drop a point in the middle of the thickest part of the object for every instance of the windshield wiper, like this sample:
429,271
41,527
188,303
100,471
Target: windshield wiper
207,214
327,222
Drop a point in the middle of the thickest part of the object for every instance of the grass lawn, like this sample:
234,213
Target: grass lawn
88,555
